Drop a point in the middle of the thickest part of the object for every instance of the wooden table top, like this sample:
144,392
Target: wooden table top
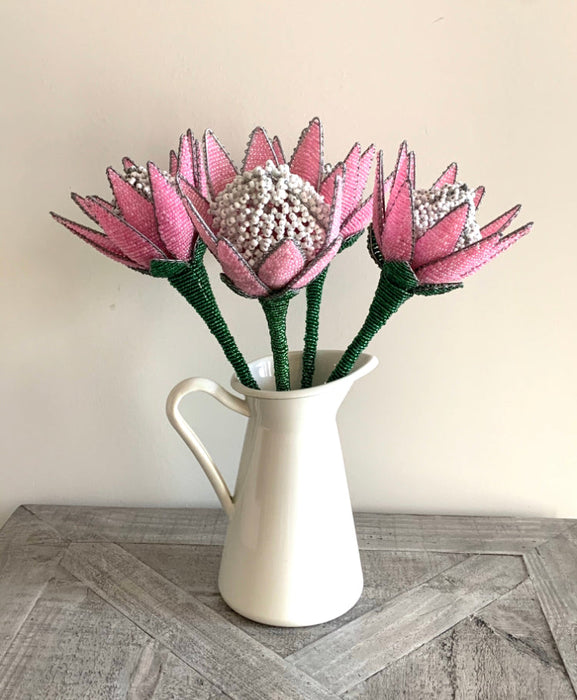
123,603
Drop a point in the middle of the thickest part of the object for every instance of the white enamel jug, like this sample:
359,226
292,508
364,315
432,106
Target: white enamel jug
290,556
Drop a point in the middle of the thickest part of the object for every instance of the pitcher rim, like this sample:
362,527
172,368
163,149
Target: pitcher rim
367,363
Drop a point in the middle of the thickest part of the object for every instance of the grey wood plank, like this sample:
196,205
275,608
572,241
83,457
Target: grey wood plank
194,568
387,574
518,617
23,528
24,573
74,645
218,650
371,642
163,525
469,662
453,533
440,533
553,570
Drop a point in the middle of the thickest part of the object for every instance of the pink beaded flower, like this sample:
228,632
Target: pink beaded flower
434,230
146,220
274,226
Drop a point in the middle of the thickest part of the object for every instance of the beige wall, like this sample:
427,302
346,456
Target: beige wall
473,407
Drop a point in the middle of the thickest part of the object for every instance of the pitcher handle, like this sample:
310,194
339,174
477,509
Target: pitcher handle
237,404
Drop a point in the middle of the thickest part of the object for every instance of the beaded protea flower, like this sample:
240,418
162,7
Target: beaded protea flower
434,230
146,220
275,226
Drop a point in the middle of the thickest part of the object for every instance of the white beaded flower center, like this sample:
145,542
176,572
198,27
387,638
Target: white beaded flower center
137,176
429,206
264,206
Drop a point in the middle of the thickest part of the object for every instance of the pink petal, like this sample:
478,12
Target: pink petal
200,169
501,222
174,224
173,166
478,195
364,168
127,163
314,268
358,219
219,165
307,158
379,199
88,206
282,265
258,151
237,270
397,237
134,207
351,181
201,204
448,177
327,188
131,242
195,204
96,238
185,158
277,148
461,264
334,226
401,172
440,240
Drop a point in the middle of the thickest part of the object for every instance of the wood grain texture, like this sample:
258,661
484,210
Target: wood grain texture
218,650
74,645
123,603
469,662
553,569
24,573
455,533
163,525
370,643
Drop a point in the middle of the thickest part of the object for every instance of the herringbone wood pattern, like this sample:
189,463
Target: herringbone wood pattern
123,603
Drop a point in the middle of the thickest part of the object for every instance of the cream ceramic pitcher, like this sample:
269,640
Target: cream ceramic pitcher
290,556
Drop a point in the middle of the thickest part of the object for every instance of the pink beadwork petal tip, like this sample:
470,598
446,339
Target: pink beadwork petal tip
396,242
447,177
132,243
401,172
175,226
365,165
327,187
499,224
238,271
282,265
134,207
219,166
307,158
185,167
195,205
478,195
461,264
98,239
258,151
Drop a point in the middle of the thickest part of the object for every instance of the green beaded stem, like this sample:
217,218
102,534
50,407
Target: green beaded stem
314,294
397,284
192,282
275,309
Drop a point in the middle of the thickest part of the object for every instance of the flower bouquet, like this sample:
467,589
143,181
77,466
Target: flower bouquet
275,226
